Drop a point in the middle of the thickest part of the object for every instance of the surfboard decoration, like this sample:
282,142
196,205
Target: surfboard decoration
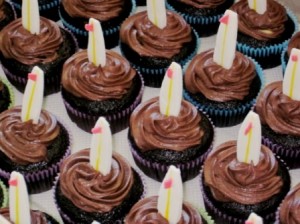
156,11
4,220
259,6
31,16
254,219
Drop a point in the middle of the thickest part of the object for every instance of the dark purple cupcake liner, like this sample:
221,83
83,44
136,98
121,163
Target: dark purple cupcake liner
42,180
118,121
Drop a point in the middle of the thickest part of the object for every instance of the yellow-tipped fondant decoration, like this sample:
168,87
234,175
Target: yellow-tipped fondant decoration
3,220
260,6
31,16
171,91
170,196
33,96
19,208
291,80
224,52
101,147
254,219
249,139
156,11
96,45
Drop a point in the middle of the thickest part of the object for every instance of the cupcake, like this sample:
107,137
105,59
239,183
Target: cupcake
19,209
7,13
47,9
168,207
6,95
223,82
3,195
202,15
91,89
288,212
168,131
96,183
42,43
152,39
243,176
264,30
293,43
32,141
74,14
278,106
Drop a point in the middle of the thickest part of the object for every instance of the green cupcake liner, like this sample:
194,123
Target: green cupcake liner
5,195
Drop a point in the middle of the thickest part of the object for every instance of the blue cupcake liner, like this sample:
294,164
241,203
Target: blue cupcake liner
226,117
272,49
42,180
43,7
4,191
283,61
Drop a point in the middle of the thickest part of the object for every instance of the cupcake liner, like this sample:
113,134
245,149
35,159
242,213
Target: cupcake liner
207,218
11,92
42,180
263,55
290,155
118,121
153,76
221,217
283,60
158,170
140,2
111,36
230,116
4,194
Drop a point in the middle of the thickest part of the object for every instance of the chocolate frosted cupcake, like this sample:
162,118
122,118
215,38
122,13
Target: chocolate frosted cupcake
151,49
35,150
74,14
232,189
288,212
7,13
226,95
21,51
202,15
83,194
3,195
293,43
6,96
264,36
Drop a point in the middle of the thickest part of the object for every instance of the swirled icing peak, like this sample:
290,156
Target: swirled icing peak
145,212
37,217
267,26
18,43
88,189
25,142
83,79
290,207
294,43
102,10
148,40
2,12
216,83
278,111
202,4
153,130
233,181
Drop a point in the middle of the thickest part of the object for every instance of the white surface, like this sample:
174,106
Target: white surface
191,189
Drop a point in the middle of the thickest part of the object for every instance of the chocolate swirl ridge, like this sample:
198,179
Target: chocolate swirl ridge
102,10
37,217
267,26
152,130
18,43
83,79
26,142
278,111
290,207
294,43
216,83
148,40
202,4
91,191
145,212
232,181
2,12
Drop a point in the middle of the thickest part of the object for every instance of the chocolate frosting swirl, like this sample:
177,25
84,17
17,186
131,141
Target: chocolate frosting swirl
91,191
18,43
145,212
290,207
294,43
2,12
278,111
216,83
153,130
202,4
37,217
25,142
232,181
267,26
148,40
102,10
83,79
